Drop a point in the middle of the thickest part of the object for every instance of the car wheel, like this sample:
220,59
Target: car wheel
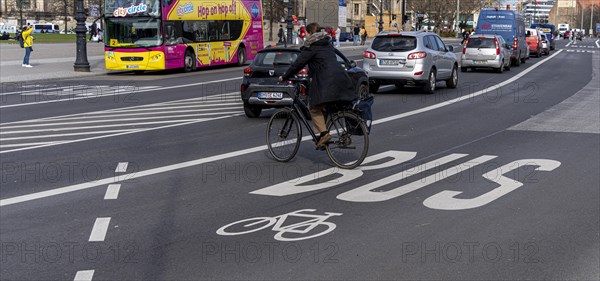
539,54
429,87
252,111
188,61
517,61
363,91
500,69
453,81
241,56
464,69
507,68
373,87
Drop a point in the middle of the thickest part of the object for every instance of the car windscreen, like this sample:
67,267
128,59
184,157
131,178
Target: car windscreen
275,58
484,43
543,37
394,43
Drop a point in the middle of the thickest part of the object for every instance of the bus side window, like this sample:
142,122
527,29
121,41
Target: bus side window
225,34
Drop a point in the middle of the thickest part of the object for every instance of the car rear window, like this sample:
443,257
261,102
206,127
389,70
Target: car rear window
481,43
543,37
394,43
275,58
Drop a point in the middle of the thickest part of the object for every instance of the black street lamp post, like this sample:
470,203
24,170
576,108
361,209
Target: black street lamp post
81,62
380,15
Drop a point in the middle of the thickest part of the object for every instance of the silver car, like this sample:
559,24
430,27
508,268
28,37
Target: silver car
485,51
410,58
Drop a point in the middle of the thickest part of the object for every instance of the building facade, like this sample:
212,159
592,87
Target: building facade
537,11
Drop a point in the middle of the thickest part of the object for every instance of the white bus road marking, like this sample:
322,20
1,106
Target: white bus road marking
112,192
172,167
122,93
99,230
122,167
84,275
598,43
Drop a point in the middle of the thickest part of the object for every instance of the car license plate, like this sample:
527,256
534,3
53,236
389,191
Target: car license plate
390,62
270,95
479,61
133,66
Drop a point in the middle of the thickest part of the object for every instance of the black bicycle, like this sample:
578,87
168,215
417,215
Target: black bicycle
349,142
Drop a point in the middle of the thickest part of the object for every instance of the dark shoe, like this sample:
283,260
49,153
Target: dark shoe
323,139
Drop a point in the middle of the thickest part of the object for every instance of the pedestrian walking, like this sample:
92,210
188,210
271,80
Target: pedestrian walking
363,35
356,33
338,32
27,43
280,34
329,82
465,36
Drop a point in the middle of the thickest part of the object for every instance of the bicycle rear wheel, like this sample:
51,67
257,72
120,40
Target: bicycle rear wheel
349,144
283,135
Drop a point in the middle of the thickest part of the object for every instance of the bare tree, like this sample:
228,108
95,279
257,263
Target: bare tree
64,8
274,11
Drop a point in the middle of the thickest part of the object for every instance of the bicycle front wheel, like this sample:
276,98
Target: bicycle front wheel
349,144
283,135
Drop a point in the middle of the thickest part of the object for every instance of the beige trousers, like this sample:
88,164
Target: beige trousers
318,118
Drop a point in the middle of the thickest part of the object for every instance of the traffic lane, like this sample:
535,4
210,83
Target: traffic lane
171,222
115,91
389,130
51,242
167,146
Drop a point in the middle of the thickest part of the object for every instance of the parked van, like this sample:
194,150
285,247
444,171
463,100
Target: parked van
549,30
8,29
508,24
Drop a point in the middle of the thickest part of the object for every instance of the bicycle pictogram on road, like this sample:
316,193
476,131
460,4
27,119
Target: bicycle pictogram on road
314,226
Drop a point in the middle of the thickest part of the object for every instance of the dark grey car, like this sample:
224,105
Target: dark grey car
410,58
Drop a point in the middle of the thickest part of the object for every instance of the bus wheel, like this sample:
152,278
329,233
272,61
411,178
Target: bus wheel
241,56
188,61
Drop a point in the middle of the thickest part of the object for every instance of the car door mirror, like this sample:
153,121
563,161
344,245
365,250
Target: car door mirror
450,48
352,64
506,46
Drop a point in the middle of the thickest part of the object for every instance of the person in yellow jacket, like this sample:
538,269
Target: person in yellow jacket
27,43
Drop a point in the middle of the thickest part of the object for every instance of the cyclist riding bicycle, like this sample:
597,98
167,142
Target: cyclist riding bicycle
329,81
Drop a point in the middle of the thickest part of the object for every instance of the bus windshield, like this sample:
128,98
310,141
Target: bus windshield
133,32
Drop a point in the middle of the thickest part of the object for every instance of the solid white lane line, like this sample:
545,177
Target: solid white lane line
174,107
124,133
99,230
82,186
84,275
2,146
64,135
465,97
114,125
112,192
121,167
122,93
121,120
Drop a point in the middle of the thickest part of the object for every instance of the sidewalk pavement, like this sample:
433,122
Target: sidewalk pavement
55,61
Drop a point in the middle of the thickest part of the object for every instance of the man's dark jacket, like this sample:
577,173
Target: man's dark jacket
329,80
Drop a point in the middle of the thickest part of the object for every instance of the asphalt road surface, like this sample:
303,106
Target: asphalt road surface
161,177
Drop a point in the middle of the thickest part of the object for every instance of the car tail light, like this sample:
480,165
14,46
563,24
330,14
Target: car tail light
419,73
303,90
303,73
369,55
247,72
516,44
497,46
417,55
465,47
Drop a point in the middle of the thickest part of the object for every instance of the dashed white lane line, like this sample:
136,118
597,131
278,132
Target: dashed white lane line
177,166
121,167
112,192
598,43
84,275
99,230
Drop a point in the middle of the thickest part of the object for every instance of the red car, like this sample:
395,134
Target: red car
534,41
